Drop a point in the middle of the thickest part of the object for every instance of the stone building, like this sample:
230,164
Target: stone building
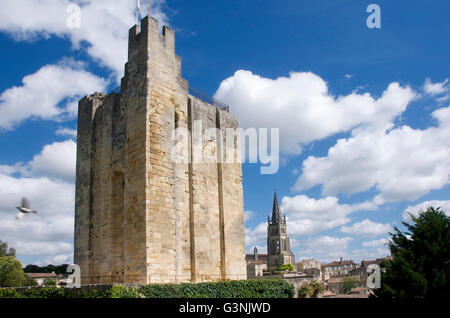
255,256
278,242
362,270
307,264
310,267
256,264
338,268
41,278
141,216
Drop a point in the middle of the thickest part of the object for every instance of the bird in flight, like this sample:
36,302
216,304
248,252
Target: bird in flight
25,208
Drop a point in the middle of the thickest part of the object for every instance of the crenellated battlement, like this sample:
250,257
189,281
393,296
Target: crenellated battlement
148,35
151,55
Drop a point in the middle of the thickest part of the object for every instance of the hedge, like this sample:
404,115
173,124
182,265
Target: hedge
266,288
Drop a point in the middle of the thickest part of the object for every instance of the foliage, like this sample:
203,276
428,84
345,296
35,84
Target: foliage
348,284
29,281
420,267
9,293
49,282
285,267
265,288
120,291
305,291
4,250
310,290
50,292
11,272
59,270
318,288
90,294
47,292
270,288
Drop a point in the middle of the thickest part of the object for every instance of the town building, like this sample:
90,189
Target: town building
256,264
338,268
41,278
310,267
362,270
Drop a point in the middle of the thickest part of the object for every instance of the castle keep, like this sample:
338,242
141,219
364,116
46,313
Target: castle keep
140,216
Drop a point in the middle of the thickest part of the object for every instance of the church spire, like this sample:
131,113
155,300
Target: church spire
276,213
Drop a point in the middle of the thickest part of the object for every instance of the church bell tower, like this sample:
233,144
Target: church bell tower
278,243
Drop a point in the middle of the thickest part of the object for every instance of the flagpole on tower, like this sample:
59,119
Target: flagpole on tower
149,5
138,8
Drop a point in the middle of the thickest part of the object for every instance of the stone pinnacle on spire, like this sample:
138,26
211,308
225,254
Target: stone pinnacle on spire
276,213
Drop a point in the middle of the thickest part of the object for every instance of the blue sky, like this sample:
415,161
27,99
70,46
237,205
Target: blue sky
363,113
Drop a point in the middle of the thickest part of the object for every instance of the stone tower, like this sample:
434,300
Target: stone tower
278,243
140,216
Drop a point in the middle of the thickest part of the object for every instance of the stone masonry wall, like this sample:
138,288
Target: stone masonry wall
140,216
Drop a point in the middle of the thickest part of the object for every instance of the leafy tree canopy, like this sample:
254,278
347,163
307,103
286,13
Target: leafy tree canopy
4,251
420,267
349,283
310,290
11,272
285,267
57,269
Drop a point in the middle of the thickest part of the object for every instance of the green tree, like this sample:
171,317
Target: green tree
349,283
120,291
310,290
317,289
49,282
59,270
305,291
285,267
11,272
29,282
4,251
420,267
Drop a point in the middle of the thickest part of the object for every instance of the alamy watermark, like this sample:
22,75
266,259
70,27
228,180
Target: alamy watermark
74,16
374,276
227,145
74,279
374,19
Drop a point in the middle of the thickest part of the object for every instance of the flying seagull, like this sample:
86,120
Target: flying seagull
25,208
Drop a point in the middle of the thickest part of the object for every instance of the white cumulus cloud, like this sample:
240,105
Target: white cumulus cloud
376,243
304,109
324,248
47,182
402,163
43,92
103,31
56,161
248,215
435,88
64,131
308,216
416,209
256,236
367,228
